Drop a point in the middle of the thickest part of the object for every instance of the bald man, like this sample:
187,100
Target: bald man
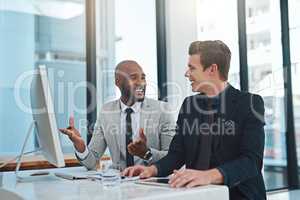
137,130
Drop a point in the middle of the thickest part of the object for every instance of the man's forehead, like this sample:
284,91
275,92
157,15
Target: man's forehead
131,70
195,58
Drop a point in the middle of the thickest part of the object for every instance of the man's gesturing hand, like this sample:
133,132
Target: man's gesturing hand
139,146
74,135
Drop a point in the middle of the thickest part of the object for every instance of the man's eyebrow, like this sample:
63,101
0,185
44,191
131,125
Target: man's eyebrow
135,73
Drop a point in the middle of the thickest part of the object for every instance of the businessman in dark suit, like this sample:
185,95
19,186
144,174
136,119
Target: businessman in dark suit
220,135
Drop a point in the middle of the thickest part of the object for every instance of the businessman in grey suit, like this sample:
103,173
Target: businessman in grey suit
136,130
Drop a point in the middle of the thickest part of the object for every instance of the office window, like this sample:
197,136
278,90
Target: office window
126,30
294,6
266,79
51,33
221,24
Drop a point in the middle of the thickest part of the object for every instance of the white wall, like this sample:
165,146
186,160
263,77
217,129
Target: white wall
181,30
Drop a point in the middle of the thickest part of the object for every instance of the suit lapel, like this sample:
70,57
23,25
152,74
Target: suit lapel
118,137
145,115
229,104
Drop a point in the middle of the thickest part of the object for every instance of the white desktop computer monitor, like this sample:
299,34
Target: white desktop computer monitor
44,118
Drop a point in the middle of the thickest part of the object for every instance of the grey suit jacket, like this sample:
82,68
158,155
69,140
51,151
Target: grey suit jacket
155,118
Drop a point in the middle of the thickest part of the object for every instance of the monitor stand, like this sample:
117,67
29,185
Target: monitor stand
19,160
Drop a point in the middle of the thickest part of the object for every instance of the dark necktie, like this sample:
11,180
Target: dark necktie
129,157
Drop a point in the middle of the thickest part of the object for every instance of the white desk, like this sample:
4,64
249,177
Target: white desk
54,188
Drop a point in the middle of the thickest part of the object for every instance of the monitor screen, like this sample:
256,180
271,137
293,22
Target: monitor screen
44,117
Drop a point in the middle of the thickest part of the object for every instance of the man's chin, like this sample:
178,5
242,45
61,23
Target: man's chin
196,89
139,96
140,99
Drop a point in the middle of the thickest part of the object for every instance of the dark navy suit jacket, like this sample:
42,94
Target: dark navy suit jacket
240,154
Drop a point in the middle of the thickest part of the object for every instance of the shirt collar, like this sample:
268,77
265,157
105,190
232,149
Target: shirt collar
136,107
219,95
214,101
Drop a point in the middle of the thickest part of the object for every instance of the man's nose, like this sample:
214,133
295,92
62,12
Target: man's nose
141,82
187,74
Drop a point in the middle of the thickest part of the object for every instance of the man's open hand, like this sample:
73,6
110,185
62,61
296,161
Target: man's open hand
139,146
74,135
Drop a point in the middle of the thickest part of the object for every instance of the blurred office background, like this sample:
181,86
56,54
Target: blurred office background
155,33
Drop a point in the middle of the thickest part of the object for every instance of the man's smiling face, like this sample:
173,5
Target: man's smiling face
196,74
131,81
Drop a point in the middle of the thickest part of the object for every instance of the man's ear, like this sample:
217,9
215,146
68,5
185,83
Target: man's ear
214,68
117,82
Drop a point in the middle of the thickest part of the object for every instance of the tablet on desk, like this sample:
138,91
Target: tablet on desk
127,178
164,181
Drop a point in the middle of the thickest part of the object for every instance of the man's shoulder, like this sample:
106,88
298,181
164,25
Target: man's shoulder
249,98
251,104
243,98
154,102
156,106
191,97
110,105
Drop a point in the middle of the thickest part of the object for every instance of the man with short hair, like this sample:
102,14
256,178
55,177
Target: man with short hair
220,134
137,130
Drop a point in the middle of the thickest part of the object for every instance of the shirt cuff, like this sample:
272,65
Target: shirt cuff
82,155
224,175
158,169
